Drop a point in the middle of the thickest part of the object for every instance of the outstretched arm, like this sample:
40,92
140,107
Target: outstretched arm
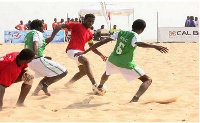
157,47
97,52
55,31
94,46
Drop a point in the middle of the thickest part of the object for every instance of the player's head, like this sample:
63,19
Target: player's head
55,19
138,26
21,22
88,20
37,25
26,55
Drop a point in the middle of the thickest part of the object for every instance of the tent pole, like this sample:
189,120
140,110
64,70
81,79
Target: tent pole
157,27
128,23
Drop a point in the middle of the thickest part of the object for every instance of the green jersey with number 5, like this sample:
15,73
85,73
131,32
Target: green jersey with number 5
123,53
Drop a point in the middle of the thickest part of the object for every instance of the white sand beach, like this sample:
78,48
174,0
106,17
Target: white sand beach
172,97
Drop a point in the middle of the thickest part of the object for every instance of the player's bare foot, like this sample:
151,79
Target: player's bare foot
20,105
44,88
68,84
135,99
35,93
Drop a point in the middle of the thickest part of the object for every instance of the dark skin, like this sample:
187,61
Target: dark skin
84,69
146,80
47,40
47,80
25,88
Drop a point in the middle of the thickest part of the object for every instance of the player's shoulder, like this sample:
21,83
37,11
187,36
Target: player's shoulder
11,56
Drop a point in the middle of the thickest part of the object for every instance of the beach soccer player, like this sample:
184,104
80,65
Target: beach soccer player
80,35
121,59
42,65
13,69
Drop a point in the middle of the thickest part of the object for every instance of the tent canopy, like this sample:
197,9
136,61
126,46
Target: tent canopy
112,8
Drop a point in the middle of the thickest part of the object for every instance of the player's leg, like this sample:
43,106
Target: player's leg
26,86
51,80
99,89
46,81
2,91
104,78
39,87
86,65
51,70
77,76
143,87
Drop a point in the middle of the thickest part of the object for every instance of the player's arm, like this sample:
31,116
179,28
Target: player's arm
157,47
35,48
16,27
55,31
97,52
94,46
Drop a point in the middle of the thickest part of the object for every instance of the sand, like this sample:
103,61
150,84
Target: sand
172,97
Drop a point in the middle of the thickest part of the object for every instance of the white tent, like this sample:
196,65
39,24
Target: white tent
111,8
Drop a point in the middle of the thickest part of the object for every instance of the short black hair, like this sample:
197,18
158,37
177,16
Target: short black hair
139,24
35,24
89,15
26,54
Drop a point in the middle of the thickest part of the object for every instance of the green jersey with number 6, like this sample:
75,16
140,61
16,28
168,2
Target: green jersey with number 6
123,53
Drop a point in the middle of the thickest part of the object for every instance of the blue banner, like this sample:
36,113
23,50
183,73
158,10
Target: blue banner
18,36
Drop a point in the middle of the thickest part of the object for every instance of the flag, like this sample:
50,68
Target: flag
109,16
105,13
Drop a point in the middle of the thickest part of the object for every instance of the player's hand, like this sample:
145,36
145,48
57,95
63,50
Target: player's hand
162,49
48,57
104,58
27,77
78,54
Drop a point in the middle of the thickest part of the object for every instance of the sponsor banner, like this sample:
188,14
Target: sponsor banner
178,34
18,36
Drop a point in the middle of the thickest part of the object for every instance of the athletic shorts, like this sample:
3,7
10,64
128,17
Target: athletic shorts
128,74
70,54
44,67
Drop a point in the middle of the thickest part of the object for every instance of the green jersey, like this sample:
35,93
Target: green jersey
123,53
35,35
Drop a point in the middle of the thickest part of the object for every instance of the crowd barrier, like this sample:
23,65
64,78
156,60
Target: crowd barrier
178,34
18,36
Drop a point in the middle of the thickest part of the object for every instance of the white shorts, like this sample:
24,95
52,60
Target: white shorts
45,68
128,74
70,54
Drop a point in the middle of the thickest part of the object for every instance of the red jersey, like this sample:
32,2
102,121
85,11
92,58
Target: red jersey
9,70
80,35
21,27
54,24
45,26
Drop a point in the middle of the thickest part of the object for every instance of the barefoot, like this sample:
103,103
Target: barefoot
48,94
135,99
20,105
67,85
38,88
34,94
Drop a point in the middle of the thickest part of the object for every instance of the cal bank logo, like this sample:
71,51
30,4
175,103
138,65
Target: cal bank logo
16,35
182,33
